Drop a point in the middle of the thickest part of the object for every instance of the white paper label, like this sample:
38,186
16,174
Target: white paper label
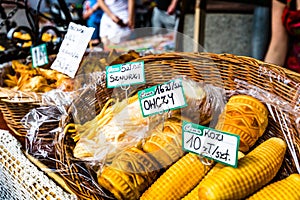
39,55
161,98
210,143
72,49
130,73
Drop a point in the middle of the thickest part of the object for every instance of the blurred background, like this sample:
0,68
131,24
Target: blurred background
219,26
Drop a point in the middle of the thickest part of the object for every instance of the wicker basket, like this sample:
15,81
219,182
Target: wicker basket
14,105
221,70
14,110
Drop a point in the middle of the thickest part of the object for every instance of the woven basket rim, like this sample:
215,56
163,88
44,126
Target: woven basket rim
23,100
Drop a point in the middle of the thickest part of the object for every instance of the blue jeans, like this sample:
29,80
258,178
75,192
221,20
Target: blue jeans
96,34
260,32
161,19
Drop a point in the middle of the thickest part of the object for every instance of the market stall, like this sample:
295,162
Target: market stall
143,121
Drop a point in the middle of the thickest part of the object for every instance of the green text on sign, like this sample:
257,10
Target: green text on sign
39,55
130,73
210,143
161,98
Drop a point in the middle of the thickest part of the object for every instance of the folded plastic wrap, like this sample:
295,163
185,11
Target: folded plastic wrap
42,122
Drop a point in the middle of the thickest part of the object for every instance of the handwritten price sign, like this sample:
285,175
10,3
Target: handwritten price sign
161,98
72,49
125,74
219,146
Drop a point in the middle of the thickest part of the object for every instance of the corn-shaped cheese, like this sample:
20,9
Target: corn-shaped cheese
177,180
193,195
287,188
254,171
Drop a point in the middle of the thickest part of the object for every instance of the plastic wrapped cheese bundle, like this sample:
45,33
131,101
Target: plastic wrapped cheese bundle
120,124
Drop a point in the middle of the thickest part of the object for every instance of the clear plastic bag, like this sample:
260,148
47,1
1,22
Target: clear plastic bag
42,123
103,127
120,123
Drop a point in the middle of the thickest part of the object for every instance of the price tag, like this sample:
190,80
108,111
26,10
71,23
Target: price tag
210,143
72,49
39,55
125,74
161,98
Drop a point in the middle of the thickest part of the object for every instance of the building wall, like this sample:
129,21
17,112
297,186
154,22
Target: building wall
224,33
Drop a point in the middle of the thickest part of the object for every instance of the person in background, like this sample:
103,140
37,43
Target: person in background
93,14
117,20
143,13
261,30
284,47
165,15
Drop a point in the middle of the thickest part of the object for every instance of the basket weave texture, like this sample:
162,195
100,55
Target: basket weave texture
14,105
13,112
221,70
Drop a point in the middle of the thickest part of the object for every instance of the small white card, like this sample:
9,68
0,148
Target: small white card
39,55
210,143
130,73
72,49
161,98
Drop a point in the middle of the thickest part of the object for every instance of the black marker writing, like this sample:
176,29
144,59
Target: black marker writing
172,85
125,77
158,101
213,135
130,67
